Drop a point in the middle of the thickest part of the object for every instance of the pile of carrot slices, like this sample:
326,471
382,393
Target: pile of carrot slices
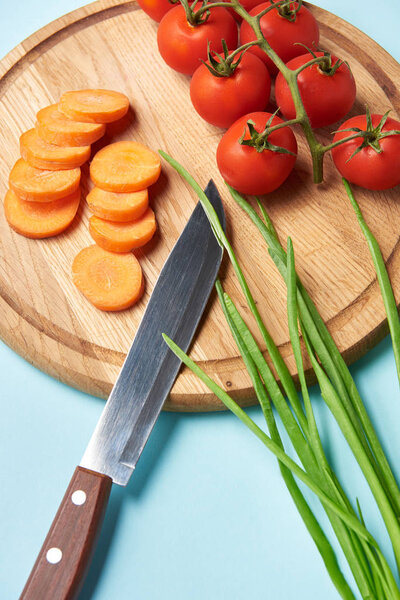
44,192
122,219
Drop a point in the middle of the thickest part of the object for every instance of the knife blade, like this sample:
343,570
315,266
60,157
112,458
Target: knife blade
146,377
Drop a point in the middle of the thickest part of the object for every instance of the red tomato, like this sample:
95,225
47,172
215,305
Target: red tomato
282,34
222,100
326,98
156,9
183,46
250,171
368,168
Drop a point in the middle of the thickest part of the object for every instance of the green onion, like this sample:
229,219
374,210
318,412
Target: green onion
347,518
248,348
367,562
332,361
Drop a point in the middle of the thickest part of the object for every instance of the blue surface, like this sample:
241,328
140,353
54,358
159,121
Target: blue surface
206,514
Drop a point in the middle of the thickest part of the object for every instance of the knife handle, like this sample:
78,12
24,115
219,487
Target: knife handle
65,555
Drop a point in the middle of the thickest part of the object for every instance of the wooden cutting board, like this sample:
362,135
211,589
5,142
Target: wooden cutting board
112,44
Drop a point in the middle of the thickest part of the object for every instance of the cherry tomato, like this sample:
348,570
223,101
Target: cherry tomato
368,168
250,171
327,95
282,34
183,46
222,100
156,9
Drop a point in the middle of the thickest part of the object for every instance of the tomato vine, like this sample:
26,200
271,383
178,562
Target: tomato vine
317,149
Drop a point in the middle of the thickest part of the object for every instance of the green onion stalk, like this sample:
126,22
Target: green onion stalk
369,565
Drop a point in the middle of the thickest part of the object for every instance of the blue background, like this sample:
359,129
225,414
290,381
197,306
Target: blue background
206,514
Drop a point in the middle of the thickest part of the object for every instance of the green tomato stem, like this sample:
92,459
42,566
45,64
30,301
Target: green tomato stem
222,64
278,5
310,63
188,12
241,48
207,7
270,130
340,142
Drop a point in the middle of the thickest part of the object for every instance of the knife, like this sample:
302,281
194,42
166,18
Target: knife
147,375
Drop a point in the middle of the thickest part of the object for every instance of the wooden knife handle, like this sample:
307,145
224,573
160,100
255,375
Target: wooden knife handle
65,555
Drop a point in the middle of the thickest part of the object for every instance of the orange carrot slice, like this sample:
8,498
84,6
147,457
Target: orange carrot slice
94,106
125,167
38,219
38,153
109,281
39,185
56,128
123,237
118,207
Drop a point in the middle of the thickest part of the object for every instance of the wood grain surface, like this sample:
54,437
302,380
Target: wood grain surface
112,44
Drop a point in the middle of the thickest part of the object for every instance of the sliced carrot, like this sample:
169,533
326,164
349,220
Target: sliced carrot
123,237
94,106
125,167
56,128
40,185
40,154
38,219
118,207
109,281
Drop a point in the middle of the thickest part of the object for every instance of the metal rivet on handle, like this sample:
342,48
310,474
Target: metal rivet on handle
78,497
54,555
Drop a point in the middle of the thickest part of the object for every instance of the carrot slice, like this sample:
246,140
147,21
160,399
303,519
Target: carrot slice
56,128
94,106
109,281
123,237
39,185
40,154
118,207
125,167
38,219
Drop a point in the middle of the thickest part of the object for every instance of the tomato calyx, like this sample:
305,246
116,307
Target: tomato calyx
226,65
324,62
288,9
371,135
196,17
259,141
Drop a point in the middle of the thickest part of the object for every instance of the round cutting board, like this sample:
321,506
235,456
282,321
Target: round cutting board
112,44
